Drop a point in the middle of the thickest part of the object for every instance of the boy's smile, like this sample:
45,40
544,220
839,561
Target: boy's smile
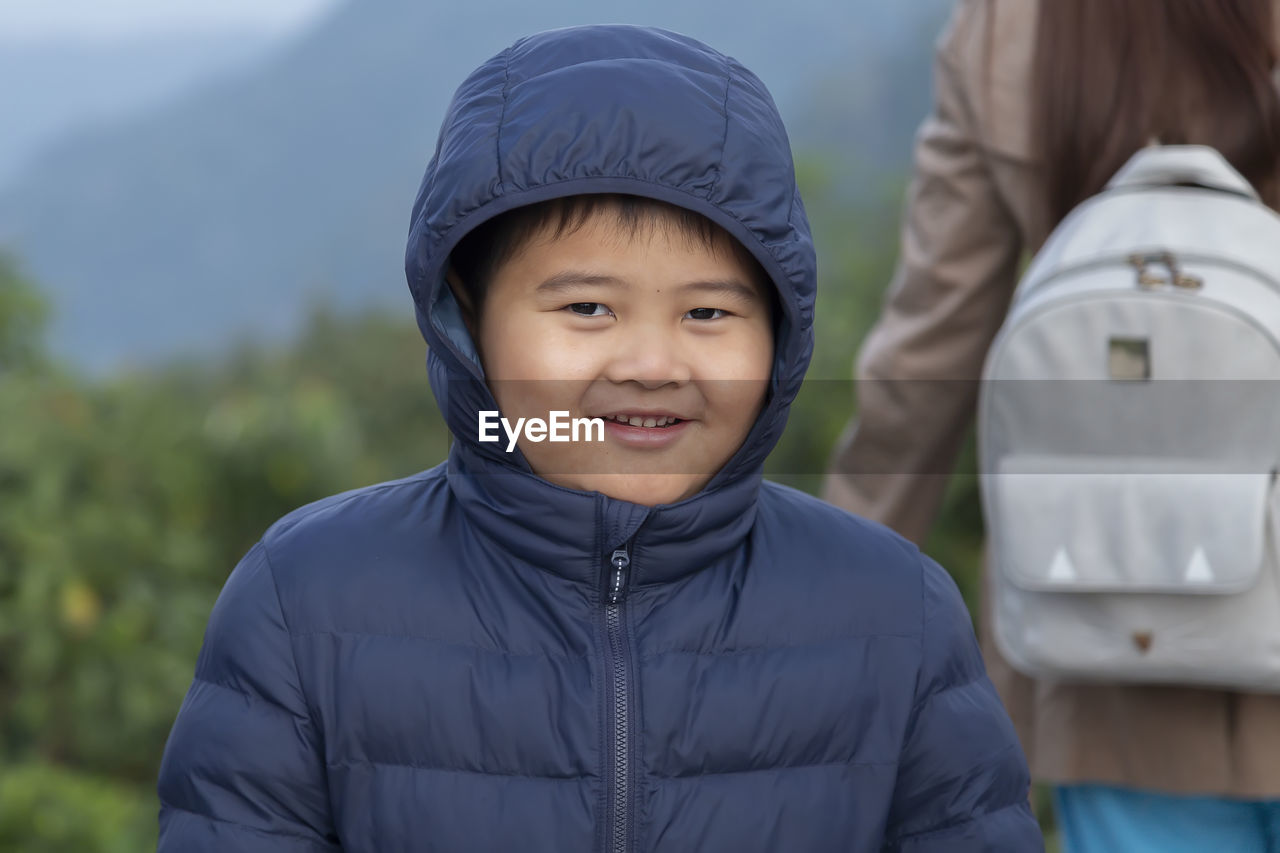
645,429
668,339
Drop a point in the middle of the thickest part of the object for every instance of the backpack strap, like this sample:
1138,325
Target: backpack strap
1168,165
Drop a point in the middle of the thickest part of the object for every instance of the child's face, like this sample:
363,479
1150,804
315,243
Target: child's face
604,323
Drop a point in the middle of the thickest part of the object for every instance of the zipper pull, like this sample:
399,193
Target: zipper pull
617,588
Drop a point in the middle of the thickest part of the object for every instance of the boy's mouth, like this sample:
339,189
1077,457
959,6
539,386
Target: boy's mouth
645,430
648,421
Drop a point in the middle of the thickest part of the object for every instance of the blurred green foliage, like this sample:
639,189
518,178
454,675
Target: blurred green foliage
22,320
49,809
126,501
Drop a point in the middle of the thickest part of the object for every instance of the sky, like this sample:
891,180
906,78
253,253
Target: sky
111,19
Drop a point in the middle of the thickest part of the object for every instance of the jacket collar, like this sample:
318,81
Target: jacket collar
573,533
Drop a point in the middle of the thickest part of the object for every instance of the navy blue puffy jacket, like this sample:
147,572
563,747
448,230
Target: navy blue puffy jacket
433,664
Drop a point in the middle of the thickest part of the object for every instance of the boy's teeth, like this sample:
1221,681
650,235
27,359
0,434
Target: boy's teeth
637,421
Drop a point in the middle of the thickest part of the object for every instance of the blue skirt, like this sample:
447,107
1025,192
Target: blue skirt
1104,819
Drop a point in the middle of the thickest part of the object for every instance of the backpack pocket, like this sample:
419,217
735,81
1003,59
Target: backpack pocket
1126,569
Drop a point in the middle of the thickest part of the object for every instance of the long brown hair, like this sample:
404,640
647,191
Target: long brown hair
1112,74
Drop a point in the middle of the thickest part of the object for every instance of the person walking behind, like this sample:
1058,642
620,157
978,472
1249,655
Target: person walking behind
1037,105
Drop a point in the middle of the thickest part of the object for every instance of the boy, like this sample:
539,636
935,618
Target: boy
623,644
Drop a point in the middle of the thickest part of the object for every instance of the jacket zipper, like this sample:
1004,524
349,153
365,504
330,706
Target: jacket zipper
619,562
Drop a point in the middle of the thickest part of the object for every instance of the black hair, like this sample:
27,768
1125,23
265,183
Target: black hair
483,250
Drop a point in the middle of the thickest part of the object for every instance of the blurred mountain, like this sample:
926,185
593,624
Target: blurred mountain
49,87
217,214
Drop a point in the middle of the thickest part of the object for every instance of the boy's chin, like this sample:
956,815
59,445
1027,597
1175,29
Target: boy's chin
644,489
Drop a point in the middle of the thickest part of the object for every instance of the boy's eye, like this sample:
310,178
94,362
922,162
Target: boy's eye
589,309
706,313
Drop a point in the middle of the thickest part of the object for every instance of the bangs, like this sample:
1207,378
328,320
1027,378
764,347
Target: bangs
483,251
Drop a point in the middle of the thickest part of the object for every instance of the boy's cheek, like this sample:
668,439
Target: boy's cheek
734,406
537,398
537,346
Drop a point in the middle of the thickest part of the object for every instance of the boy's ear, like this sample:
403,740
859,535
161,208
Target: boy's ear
463,297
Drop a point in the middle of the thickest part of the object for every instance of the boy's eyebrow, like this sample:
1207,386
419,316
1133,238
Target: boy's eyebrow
572,278
726,287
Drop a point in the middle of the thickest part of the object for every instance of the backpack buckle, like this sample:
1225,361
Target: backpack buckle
1150,281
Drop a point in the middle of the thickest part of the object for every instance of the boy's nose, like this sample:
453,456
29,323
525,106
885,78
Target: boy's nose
648,356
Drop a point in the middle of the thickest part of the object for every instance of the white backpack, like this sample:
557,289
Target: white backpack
1129,435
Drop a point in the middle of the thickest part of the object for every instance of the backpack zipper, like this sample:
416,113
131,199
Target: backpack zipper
1025,294
619,563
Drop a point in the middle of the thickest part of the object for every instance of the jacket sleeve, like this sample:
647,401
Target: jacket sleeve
242,770
963,783
916,372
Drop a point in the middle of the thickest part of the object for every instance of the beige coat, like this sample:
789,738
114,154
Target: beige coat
973,210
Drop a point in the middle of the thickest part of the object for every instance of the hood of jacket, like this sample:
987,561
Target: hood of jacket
610,109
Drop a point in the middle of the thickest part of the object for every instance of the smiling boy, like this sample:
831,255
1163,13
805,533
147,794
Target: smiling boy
634,644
